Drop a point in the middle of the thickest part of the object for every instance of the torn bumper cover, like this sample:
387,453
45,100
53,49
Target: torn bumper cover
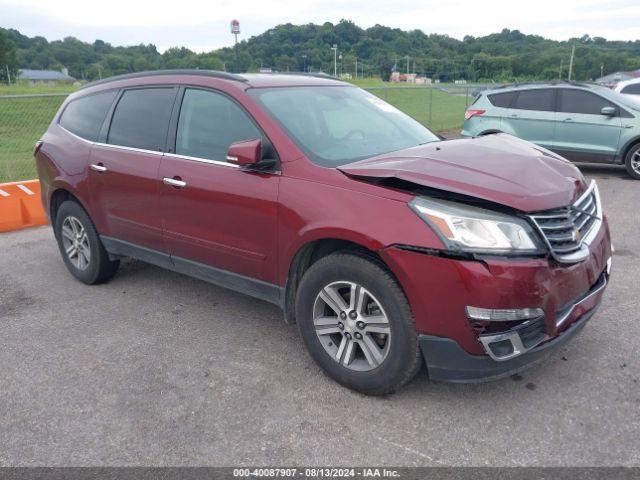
458,347
447,361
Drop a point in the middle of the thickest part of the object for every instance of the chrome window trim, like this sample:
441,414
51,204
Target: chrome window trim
202,160
219,163
111,145
90,142
588,238
165,154
130,149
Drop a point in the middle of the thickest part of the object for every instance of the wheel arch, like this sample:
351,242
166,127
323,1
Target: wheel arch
58,196
627,148
312,251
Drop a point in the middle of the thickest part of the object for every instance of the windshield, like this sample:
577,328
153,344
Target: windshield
339,125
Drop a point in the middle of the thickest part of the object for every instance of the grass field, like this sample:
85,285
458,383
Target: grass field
22,123
447,110
26,89
23,120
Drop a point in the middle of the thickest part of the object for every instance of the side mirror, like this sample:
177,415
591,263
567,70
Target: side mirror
608,111
245,153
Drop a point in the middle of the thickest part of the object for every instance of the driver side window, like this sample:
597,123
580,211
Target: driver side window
579,101
209,123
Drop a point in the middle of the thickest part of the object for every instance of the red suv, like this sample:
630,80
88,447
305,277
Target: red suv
389,246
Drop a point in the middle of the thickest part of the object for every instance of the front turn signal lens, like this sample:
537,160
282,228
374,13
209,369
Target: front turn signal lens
503,315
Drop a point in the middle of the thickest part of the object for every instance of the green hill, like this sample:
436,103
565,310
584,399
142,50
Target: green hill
504,56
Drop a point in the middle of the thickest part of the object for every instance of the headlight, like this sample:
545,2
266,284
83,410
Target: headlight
476,229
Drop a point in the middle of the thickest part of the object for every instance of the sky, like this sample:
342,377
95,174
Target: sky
204,25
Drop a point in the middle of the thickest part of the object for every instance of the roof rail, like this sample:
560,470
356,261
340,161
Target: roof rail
297,74
153,73
548,82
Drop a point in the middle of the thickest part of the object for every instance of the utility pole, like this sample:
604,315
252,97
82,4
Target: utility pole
407,64
560,71
573,51
356,67
335,59
601,70
8,75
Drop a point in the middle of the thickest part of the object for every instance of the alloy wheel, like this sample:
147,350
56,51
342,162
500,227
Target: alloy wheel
352,326
635,162
76,243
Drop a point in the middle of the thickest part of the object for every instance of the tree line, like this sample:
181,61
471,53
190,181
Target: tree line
376,51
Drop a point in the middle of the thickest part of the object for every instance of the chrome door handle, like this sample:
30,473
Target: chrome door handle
98,167
174,182
568,120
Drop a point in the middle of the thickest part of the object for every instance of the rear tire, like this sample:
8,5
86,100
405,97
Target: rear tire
362,335
632,162
80,246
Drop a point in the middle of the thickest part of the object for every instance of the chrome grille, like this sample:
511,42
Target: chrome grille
567,230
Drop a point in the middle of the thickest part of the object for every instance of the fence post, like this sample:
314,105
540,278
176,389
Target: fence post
430,104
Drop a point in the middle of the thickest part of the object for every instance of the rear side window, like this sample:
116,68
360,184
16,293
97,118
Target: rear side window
633,89
502,99
209,123
84,116
579,101
541,100
141,118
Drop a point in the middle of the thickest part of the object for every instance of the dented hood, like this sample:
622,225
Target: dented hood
498,168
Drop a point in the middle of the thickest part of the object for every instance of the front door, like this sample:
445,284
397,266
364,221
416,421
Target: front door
214,213
583,132
124,170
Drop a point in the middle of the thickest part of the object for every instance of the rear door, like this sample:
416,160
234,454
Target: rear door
532,116
219,215
124,167
583,133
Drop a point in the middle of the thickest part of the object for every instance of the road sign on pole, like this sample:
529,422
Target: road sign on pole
235,30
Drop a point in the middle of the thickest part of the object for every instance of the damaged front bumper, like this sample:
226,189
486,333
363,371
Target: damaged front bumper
459,348
446,361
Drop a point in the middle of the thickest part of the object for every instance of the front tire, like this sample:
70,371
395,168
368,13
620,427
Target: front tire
632,162
357,324
80,247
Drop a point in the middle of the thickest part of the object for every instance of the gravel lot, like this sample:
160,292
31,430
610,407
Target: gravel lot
155,368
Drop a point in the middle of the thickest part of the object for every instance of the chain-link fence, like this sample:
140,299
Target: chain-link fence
24,118
440,107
